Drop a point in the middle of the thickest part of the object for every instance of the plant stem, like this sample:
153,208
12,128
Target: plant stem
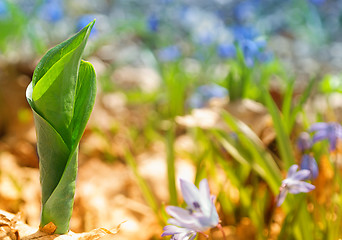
171,164
219,226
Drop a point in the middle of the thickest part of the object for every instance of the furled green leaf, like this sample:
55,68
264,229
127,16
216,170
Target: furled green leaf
61,95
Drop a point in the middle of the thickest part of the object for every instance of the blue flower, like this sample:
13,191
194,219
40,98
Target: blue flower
153,23
199,216
304,142
243,33
294,183
265,57
3,9
250,50
308,162
226,50
206,92
326,131
244,11
317,2
169,54
251,45
52,10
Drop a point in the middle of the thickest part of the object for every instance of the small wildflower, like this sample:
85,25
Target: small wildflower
265,57
179,233
244,10
153,23
309,163
250,50
52,11
252,45
3,10
169,54
294,183
304,142
199,216
226,51
330,131
206,92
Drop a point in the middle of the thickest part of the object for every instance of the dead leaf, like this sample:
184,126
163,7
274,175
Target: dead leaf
49,228
251,113
8,229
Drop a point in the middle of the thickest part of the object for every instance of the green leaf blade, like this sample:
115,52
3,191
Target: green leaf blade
85,100
54,54
59,205
54,92
50,146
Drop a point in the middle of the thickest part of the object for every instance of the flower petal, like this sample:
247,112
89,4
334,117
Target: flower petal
178,233
205,198
301,175
193,237
292,170
191,194
171,229
178,213
204,189
300,186
281,197
183,218
319,136
304,141
318,126
309,163
333,142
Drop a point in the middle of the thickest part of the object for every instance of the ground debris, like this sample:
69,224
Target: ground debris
11,228
8,228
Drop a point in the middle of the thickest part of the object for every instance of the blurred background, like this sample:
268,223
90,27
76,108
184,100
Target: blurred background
166,69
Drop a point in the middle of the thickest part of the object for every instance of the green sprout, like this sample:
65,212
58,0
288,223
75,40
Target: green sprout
61,95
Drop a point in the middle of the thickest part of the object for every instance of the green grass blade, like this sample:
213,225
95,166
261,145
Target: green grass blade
299,106
283,140
251,149
145,189
287,105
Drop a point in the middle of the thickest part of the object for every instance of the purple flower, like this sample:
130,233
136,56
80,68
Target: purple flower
199,215
304,142
330,131
309,163
294,183
179,233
